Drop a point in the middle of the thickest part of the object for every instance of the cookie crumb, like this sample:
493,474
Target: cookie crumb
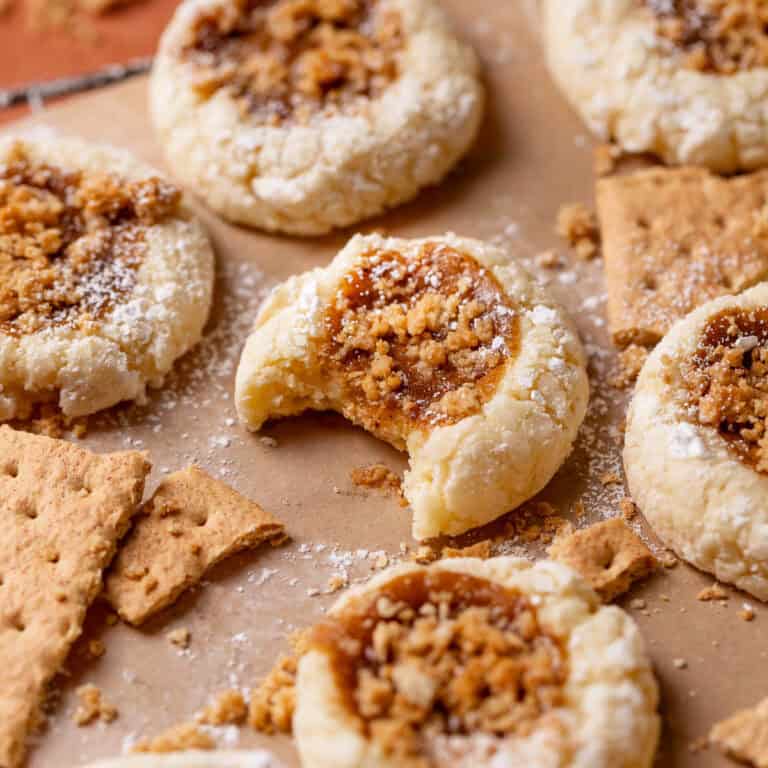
177,738
179,637
715,592
92,706
611,478
668,559
747,612
744,736
96,648
638,604
536,523
577,225
608,554
548,260
680,663
376,476
628,509
424,555
335,583
481,550
630,362
268,442
228,708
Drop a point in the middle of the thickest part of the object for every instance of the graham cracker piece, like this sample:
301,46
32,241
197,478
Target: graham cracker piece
608,555
191,523
744,736
177,738
674,239
63,509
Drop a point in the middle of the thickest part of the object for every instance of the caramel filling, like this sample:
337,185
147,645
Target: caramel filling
435,654
418,341
722,36
727,382
70,243
288,59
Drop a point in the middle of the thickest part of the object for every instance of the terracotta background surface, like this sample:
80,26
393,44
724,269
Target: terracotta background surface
29,55
533,155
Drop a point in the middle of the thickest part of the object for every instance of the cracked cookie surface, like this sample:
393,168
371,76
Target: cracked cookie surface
106,277
301,116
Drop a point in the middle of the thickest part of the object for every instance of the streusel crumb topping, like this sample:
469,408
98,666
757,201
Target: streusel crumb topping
726,382
442,654
287,59
722,36
420,340
70,243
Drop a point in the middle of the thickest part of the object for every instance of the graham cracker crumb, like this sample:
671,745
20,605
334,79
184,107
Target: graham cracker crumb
715,592
577,225
96,648
628,509
631,362
376,476
92,706
608,554
335,583
744,736
424,555
747,613
482,549
548,260
538,522
179,637
668,559
178,738
273,702
228,708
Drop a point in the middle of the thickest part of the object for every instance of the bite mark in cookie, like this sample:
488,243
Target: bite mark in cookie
725,384
285,60
720,36
70,242
437,654
419,341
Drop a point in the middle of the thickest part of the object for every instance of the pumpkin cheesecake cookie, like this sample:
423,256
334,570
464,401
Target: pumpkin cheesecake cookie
106,277
473,663
442,347
683,79
304,115
696,453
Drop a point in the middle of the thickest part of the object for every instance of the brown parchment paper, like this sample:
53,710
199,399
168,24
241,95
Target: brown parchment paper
532,156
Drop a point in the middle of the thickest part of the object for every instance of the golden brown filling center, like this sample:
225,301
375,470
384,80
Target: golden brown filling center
287,59
443,654
727,382
70,243
419,340
723,36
